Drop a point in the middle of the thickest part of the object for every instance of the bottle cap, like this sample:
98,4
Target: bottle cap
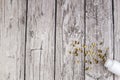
108,63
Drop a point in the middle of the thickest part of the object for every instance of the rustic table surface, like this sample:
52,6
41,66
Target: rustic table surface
36,37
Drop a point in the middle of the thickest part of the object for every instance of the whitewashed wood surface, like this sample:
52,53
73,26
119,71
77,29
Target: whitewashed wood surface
12,39
36,37
99,28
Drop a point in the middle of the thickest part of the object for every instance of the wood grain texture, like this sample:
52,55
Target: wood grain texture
99,28
41,48
40,40
12,39
69,28
116,8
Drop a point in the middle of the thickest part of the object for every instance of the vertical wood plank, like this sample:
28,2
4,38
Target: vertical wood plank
40,40
99,28
69,28
116,8
12,39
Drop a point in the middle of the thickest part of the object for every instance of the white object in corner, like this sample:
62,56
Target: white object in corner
113,66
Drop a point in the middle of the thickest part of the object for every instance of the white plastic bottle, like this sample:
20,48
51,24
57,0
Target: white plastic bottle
113,66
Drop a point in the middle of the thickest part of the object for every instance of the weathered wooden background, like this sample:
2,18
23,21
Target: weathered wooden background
35,35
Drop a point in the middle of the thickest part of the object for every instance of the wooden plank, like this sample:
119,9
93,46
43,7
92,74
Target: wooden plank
40,40
116,8
69,28
99,31
12,39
